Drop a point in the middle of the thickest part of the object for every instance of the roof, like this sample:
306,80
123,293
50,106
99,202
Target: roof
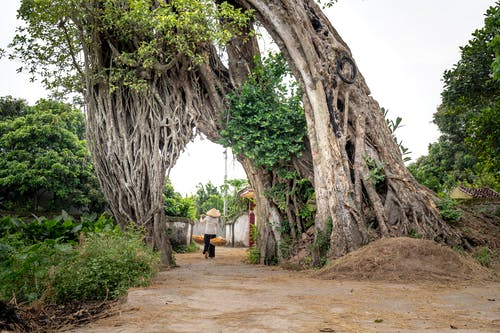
247,193
476,193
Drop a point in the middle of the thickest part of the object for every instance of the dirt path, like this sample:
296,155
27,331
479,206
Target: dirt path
226,295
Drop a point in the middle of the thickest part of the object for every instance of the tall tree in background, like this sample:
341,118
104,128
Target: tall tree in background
468,117
43,153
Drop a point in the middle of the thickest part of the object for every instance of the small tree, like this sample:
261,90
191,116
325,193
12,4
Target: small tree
208,196
175,204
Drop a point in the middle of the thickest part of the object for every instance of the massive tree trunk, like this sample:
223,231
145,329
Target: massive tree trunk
134,138
349,138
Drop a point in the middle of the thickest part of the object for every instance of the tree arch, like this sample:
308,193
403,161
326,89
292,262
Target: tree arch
149,73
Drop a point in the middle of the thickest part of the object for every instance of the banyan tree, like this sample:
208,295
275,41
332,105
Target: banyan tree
152,73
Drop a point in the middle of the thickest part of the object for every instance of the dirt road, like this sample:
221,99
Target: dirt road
226,295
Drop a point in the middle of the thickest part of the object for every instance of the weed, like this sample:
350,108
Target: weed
448,211
253,255
484,256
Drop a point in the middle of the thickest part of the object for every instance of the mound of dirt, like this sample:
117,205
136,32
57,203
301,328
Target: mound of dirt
406,260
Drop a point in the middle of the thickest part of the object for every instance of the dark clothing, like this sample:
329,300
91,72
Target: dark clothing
209,247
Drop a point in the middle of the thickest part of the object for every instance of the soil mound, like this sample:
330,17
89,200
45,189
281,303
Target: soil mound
406,260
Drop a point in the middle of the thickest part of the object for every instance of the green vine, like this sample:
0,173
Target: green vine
265,120
266,123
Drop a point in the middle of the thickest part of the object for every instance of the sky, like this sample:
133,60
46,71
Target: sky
401,47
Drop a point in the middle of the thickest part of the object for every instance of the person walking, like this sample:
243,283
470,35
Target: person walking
211,221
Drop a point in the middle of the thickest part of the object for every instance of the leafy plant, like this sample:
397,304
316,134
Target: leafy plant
321,244
393,126
447,208
175,205
484,256
105,267
44,160
285,247
265,121
376,170
191,248
62,227
253,253
27,271
415,234
468,117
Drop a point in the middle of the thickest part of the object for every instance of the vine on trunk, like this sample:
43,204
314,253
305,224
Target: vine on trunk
266,123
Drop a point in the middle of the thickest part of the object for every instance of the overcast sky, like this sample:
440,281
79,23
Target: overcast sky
402,48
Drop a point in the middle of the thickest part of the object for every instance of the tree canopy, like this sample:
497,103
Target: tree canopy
43,151
468,117
58,42
175,204
265,121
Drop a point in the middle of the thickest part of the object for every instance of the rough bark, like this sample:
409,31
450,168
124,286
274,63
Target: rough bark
345,128
135,136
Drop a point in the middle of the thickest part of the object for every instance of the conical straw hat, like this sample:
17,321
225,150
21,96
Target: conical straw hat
213,213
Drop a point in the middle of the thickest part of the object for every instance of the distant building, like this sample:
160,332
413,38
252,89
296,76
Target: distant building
462,192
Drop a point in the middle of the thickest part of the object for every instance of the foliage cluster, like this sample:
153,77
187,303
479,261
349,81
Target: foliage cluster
376,170
468,117
265,120
209,196
105,267
393,126
253,253
321,244
58,259
61,41
176,205
485,256
191,248
44,161
448,210
266,123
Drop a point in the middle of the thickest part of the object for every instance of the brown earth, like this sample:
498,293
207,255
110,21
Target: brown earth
437,291
406,260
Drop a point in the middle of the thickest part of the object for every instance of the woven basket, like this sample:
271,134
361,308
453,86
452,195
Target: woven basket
198,239
218,241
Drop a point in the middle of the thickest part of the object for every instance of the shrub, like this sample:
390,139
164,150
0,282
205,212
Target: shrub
253,253
285,246
106,267
186,249
26,271
484,256
447,208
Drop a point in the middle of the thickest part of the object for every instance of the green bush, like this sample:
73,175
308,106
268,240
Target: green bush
63,227
285,246
253,253
27,271
447,208
106,267
186,249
